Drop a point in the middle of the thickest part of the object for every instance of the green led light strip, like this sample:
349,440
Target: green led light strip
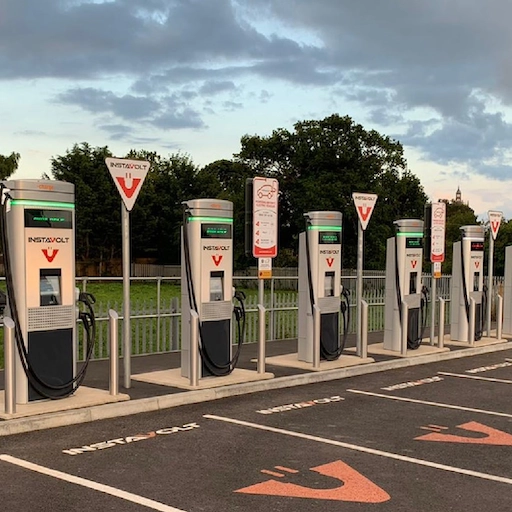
326,228
211,219
42,204
410,234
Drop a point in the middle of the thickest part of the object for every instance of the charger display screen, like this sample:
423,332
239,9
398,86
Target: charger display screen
57,219
329,237
215,230
413,243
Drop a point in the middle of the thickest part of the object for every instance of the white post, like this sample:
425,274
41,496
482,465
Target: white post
359,287
442,308
433,308
499,316
472,316
405,327
9,373
490,283
113,340
316,337
261,339
127,334
364,330
194,349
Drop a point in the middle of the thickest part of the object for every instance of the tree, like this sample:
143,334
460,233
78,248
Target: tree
8,165
98,233
158,212
225,179
321,163
503,240
457,214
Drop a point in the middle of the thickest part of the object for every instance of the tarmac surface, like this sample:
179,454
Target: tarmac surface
424,437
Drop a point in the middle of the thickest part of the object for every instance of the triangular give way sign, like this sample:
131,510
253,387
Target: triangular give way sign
364,207
128,176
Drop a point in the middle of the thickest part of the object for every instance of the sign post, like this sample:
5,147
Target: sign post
365,204
494,226
437,243
128,176
265,199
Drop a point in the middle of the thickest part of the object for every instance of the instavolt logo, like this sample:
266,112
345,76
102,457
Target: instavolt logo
215,247
130,166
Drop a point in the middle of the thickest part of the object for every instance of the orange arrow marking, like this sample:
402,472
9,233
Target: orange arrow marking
491,436
355,487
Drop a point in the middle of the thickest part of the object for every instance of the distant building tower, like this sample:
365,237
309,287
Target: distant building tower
458,196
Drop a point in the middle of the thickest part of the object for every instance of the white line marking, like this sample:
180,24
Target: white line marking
463,376
434,404
371,451
118,493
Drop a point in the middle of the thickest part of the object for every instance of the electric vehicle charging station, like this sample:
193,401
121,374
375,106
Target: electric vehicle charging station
320,286
507,292
38,230
404,258
207,287
468,284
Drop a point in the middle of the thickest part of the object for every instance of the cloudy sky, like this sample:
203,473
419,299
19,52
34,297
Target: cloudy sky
195,75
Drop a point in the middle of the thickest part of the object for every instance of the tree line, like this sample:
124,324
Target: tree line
318,165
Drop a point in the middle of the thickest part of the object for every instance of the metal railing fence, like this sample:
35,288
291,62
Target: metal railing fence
156,309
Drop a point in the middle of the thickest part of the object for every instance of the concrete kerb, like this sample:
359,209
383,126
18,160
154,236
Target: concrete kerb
152,404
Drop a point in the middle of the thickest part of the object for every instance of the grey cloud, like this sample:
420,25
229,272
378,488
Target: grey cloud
481,140
59,38
214,87
99,101
117,131
173,120
232,105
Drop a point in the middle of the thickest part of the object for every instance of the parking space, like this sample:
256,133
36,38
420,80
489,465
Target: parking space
401,440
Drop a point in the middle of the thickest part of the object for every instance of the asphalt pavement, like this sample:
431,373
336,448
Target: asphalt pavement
430,437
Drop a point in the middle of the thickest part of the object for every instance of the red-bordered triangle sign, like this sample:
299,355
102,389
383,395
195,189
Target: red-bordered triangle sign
494,222
349,485
128,176
364,206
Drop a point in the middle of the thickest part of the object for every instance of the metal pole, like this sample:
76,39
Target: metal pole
499,316
194,349
113,339
261,292
127,335
490,283
405,328
472,316
158,298
272,334
9,373
261,339
359,287
440,337
316,337
364,330
433,308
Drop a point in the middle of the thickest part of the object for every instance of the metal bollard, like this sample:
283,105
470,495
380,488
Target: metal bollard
9,373
472,317
194,349
364,330
316,337
499,316
405,328
261,339
113,340
440,338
